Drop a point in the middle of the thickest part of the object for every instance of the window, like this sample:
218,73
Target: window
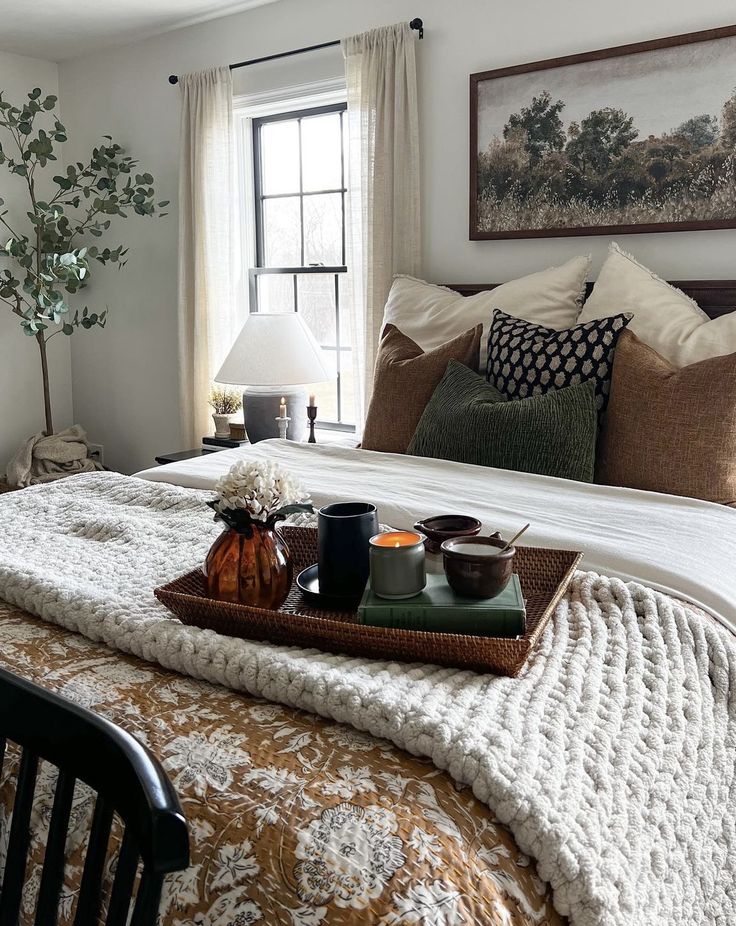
300,187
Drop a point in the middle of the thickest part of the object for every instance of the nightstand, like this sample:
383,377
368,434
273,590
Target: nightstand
324,437
164,458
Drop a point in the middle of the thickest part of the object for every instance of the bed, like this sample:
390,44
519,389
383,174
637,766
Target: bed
280,801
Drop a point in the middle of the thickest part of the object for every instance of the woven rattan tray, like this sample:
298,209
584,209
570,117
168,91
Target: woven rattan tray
544,576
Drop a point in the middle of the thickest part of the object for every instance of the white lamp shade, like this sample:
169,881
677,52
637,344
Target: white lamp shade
274,350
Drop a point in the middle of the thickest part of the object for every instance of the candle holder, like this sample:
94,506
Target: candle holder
283,426
312,415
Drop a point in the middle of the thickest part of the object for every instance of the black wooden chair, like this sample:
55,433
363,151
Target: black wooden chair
127,780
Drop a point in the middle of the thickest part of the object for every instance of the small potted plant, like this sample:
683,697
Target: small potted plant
249,563
225,402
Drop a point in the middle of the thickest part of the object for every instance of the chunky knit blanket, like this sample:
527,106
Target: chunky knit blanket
44,458
612,758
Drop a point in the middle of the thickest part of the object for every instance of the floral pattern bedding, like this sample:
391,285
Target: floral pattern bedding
294,820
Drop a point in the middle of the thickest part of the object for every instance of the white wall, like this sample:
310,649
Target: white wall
21,395
125,378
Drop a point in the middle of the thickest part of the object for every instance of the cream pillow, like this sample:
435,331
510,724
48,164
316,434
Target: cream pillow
432,315
664,317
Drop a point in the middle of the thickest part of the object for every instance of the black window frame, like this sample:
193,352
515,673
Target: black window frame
295,272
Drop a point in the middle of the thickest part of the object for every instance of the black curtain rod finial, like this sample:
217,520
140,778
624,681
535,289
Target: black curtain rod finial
173,79
418,25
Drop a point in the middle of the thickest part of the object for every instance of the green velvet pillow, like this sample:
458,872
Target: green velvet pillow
468,420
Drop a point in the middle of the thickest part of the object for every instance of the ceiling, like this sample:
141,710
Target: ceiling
59,29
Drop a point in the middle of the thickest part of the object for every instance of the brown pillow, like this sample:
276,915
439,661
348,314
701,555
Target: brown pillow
403,382
667,429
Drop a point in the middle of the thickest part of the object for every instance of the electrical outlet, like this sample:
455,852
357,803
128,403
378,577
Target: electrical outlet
97,452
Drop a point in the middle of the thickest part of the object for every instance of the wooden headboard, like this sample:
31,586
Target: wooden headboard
715,297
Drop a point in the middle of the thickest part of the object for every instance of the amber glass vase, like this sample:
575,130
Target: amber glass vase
249,565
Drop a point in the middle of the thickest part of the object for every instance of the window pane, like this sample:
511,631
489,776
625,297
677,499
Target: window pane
275,292
347,373
323,229
326,393
317,305
280,157
346,308
347,386
321,168
281,234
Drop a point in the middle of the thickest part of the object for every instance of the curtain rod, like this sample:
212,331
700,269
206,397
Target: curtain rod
415,24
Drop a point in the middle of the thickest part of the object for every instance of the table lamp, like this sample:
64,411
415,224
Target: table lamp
274,355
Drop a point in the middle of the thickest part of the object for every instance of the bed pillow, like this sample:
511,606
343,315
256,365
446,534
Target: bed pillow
431,314
526,359
670,430
469,421
663,316
404,380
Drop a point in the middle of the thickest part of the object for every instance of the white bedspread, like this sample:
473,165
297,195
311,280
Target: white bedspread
680,546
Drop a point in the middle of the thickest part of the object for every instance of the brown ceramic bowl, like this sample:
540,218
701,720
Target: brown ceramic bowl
444,526
473,573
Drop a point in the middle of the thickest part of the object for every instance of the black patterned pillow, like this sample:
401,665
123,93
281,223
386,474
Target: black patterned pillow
525,359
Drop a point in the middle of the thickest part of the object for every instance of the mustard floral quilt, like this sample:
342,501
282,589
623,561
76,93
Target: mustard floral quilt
294,820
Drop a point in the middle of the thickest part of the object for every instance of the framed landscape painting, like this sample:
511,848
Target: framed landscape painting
638,138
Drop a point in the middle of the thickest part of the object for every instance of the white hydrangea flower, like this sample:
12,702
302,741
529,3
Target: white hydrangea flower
258,487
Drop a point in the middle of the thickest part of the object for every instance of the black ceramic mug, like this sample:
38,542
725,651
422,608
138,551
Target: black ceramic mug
344,530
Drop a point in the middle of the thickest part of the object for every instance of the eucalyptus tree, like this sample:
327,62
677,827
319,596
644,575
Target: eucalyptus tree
53,255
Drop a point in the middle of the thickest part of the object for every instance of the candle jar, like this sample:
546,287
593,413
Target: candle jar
397,564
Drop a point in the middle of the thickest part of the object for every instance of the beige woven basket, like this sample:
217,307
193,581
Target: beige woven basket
544,576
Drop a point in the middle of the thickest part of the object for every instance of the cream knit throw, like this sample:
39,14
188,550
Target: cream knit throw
612,758
45,459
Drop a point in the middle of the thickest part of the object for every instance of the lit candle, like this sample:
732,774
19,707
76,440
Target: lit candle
397,564
397,539
282,408
312,400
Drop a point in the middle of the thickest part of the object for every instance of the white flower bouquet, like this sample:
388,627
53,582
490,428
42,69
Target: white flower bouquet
257,492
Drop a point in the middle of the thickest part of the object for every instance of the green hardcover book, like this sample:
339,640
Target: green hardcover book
438,608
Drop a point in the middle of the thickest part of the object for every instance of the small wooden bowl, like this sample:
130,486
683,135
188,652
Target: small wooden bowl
443,527
477,575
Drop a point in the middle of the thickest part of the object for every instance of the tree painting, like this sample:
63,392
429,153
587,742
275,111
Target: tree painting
549,161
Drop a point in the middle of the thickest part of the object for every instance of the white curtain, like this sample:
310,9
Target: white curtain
209,314
384,233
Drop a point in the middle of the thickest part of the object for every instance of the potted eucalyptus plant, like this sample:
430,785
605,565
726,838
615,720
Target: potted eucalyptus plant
52,258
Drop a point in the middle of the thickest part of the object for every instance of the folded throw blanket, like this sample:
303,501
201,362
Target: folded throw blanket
45,458
612,757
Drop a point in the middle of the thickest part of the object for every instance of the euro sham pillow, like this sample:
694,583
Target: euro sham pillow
662,316
526,359
670,429
432,315
404,379
469,421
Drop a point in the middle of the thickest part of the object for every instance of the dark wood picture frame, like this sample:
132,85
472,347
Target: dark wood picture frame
477,234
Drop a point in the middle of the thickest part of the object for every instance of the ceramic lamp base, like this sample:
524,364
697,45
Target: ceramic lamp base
261,408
